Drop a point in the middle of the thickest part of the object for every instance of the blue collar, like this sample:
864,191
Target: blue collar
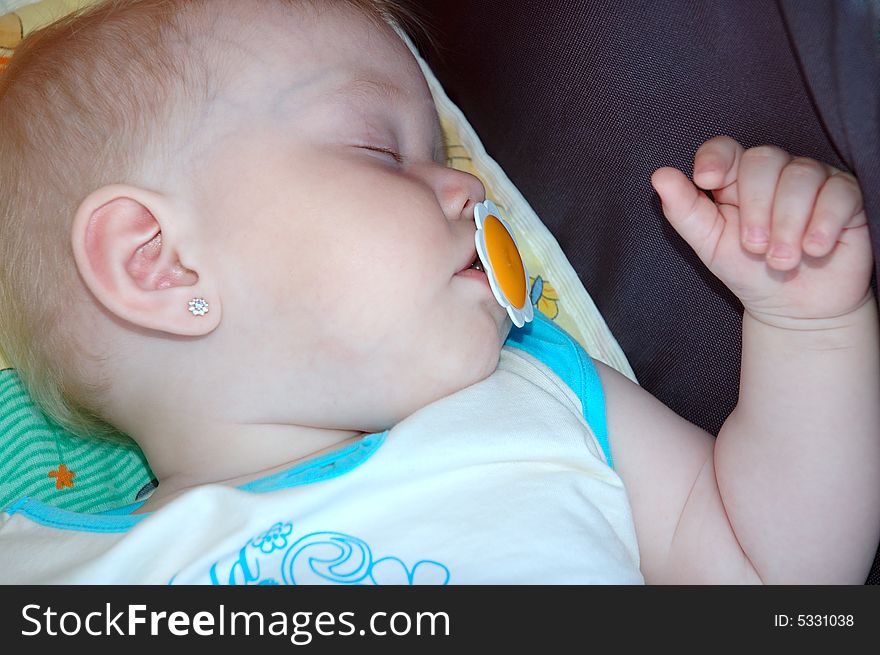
121,519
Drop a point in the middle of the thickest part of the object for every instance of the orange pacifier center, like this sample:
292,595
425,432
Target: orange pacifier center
505,261
502,262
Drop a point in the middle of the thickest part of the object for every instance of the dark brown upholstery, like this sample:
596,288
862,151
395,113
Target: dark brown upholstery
580,101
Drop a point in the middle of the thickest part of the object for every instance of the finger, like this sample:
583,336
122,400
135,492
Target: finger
796,192
716,164
839,205
693,215
759,172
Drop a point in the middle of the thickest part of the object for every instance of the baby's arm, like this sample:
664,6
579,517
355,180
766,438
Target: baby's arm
790,490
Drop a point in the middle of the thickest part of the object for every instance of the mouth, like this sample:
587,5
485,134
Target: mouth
475,265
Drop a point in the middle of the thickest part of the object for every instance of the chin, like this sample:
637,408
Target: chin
490,355
471,360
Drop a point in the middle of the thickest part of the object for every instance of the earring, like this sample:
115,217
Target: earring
198,306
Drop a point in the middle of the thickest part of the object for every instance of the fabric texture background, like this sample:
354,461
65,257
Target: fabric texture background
581,101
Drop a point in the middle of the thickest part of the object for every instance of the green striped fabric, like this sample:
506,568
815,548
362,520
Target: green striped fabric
105,475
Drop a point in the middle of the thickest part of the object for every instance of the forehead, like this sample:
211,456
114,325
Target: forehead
295,54
296,70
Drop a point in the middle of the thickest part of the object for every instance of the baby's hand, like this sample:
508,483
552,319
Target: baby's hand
788,235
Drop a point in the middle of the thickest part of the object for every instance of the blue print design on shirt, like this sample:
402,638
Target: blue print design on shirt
274,538
318,558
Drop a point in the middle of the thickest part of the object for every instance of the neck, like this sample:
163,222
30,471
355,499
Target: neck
201,452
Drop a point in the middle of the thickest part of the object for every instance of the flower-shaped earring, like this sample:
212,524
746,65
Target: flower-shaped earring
198,306
497,249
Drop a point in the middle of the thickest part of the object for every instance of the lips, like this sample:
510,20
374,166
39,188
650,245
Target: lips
472,263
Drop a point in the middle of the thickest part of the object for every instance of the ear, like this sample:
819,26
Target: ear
130,250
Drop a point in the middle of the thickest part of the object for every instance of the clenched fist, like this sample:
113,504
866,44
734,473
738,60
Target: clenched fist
788,235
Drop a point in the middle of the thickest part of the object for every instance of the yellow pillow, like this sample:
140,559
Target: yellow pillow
32,16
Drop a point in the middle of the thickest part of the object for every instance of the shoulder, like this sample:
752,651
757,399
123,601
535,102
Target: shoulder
561,353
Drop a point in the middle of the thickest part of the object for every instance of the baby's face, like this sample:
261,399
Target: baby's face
337,232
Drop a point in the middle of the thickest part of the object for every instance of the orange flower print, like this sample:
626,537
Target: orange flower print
63,477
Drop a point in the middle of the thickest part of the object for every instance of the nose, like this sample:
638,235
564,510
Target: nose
456,191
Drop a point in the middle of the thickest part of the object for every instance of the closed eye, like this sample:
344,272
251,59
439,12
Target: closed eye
396,156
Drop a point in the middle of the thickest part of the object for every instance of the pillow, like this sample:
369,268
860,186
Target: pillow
43,461
26,15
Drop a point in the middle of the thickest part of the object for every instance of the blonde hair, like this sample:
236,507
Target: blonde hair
91,100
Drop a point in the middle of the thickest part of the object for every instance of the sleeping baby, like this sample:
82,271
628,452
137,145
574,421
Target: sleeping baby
231,234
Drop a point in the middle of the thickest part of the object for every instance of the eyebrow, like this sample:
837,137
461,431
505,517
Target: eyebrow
370,87
383,90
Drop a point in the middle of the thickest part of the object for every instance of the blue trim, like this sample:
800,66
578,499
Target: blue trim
52,517
325,467
120,519
549,343
17,505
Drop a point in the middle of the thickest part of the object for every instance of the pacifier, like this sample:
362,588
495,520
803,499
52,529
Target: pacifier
502,263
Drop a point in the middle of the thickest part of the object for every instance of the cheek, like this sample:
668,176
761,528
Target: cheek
392,250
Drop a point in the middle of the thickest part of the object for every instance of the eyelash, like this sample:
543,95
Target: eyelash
396,156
